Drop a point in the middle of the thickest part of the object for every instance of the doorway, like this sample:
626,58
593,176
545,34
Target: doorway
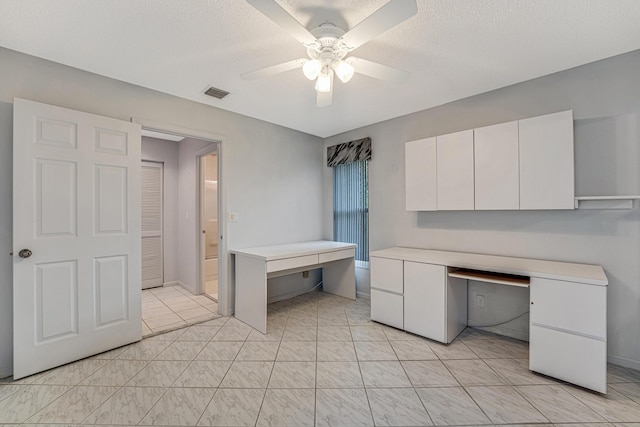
209,222
184,222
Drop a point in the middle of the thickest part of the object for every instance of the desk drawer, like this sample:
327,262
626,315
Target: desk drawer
289,263
387,274
571,306
336,255
573,358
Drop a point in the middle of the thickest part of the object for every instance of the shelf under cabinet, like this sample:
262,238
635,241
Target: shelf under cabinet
605,202
490,277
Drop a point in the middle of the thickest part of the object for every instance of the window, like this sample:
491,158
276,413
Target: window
351,207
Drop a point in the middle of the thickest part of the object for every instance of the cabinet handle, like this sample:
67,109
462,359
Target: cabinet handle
531,302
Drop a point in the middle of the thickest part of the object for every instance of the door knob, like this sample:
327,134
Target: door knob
25,253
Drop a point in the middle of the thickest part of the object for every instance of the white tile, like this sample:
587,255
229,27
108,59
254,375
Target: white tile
558,405
74,406
203,373
259,351
181,350
428,373
451,406
384,374
334,333
338,375
179,407
293,375
335,351
413,350
374,350
397,407
342,407
297,351
127,406
220,350
287,407
247,375
22,404
233,407
473,372
158,373
368,333
503,405
115,373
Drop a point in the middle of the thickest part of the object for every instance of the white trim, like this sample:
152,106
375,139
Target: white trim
624,362
363,295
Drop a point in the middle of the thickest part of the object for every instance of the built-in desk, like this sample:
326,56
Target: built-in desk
253,266
425,292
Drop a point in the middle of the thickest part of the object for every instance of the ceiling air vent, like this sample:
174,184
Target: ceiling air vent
216,93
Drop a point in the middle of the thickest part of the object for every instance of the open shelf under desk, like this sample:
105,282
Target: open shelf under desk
491,277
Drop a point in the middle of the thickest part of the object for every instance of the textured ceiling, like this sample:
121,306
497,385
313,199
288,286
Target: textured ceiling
453,49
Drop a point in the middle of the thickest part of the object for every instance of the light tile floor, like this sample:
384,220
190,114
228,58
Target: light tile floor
168,308
322,363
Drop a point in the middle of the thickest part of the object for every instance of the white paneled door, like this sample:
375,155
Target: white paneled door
76,235
151,194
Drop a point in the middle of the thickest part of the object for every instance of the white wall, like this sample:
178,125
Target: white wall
159,150
271,174
605,97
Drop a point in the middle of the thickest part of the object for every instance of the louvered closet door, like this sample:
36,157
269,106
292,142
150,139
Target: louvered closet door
151,194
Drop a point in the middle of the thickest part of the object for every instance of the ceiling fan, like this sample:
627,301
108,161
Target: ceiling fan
328,47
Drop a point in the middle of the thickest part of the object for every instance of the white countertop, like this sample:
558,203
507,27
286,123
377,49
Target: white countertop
290,250
583,273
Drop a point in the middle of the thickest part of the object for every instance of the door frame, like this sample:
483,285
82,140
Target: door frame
225,296
200,173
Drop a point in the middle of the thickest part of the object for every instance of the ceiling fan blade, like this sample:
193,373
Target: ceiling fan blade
378,71
277,14
324,99
383,19
274,69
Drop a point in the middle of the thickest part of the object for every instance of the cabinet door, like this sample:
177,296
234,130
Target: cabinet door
424,300
420,175
455,171
496,167
386,274
546,162
569,306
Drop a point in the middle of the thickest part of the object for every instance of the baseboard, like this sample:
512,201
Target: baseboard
6,371
290,294
502,330
168,284
624,362
362,295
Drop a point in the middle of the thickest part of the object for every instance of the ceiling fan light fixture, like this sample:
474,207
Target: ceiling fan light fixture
323,84
343,70
312,69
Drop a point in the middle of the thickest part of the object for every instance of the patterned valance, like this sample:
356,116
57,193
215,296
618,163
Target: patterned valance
349,152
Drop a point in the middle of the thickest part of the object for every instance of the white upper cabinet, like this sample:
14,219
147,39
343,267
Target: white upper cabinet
546,162
420,175
496,167
455,171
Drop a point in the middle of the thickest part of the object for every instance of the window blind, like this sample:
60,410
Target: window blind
351,206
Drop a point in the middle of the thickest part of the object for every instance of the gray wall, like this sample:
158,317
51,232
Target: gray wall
271,174
605,97
159,150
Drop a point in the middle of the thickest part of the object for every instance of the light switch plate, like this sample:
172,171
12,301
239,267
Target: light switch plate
233,217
